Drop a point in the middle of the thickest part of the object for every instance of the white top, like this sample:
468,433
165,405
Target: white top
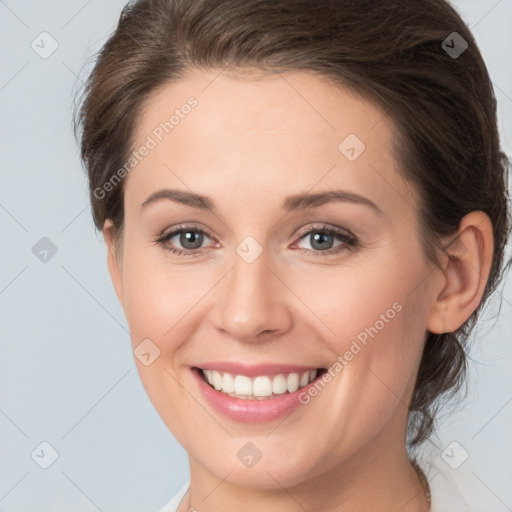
172,506
445,491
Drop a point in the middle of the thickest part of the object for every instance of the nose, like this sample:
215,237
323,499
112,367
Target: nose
253,302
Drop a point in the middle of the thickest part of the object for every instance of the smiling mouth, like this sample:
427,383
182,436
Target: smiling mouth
261,387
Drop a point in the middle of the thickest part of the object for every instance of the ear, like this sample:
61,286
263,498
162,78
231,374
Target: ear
114,266
467,266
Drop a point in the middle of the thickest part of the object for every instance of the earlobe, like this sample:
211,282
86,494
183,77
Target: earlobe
114,265
468,263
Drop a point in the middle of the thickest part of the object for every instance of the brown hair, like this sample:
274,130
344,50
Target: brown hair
391,52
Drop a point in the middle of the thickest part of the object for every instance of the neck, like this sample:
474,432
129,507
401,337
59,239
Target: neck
380,477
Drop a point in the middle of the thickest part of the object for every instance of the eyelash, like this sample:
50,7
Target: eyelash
349,241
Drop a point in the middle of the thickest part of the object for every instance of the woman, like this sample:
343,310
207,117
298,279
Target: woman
305,209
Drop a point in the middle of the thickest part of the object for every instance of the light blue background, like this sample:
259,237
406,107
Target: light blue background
67,374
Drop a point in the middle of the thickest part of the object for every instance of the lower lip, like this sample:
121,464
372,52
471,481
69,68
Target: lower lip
250,411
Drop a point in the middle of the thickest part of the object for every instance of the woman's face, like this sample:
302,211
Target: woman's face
306,255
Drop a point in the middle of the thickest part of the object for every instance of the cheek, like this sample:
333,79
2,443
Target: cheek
161,297
360,301
161,304
373,318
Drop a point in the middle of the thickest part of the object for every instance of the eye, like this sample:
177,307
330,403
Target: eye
322,240
188,240
183,240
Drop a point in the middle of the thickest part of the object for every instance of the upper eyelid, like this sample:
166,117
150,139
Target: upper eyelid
166,235
323,227
177,229
298,234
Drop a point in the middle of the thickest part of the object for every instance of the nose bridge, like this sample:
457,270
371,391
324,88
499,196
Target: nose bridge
253,301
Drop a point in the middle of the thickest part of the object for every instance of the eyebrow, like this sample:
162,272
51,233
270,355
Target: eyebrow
291,203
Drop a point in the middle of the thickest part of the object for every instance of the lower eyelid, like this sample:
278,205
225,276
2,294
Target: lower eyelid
346,241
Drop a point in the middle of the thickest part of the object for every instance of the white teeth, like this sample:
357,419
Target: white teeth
217,380
228,383
292,382
243,385
304,380
261,386
279,384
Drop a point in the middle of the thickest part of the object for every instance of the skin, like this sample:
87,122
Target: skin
251,141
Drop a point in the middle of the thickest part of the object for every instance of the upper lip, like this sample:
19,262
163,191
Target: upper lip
255,369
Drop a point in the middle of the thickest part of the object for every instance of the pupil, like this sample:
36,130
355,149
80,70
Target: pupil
191,237
319,238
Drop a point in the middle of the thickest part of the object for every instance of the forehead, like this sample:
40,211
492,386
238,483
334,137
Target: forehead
251,132
229,100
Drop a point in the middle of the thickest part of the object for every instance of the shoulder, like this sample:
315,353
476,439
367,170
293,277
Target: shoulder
449,487
172,505
447,492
